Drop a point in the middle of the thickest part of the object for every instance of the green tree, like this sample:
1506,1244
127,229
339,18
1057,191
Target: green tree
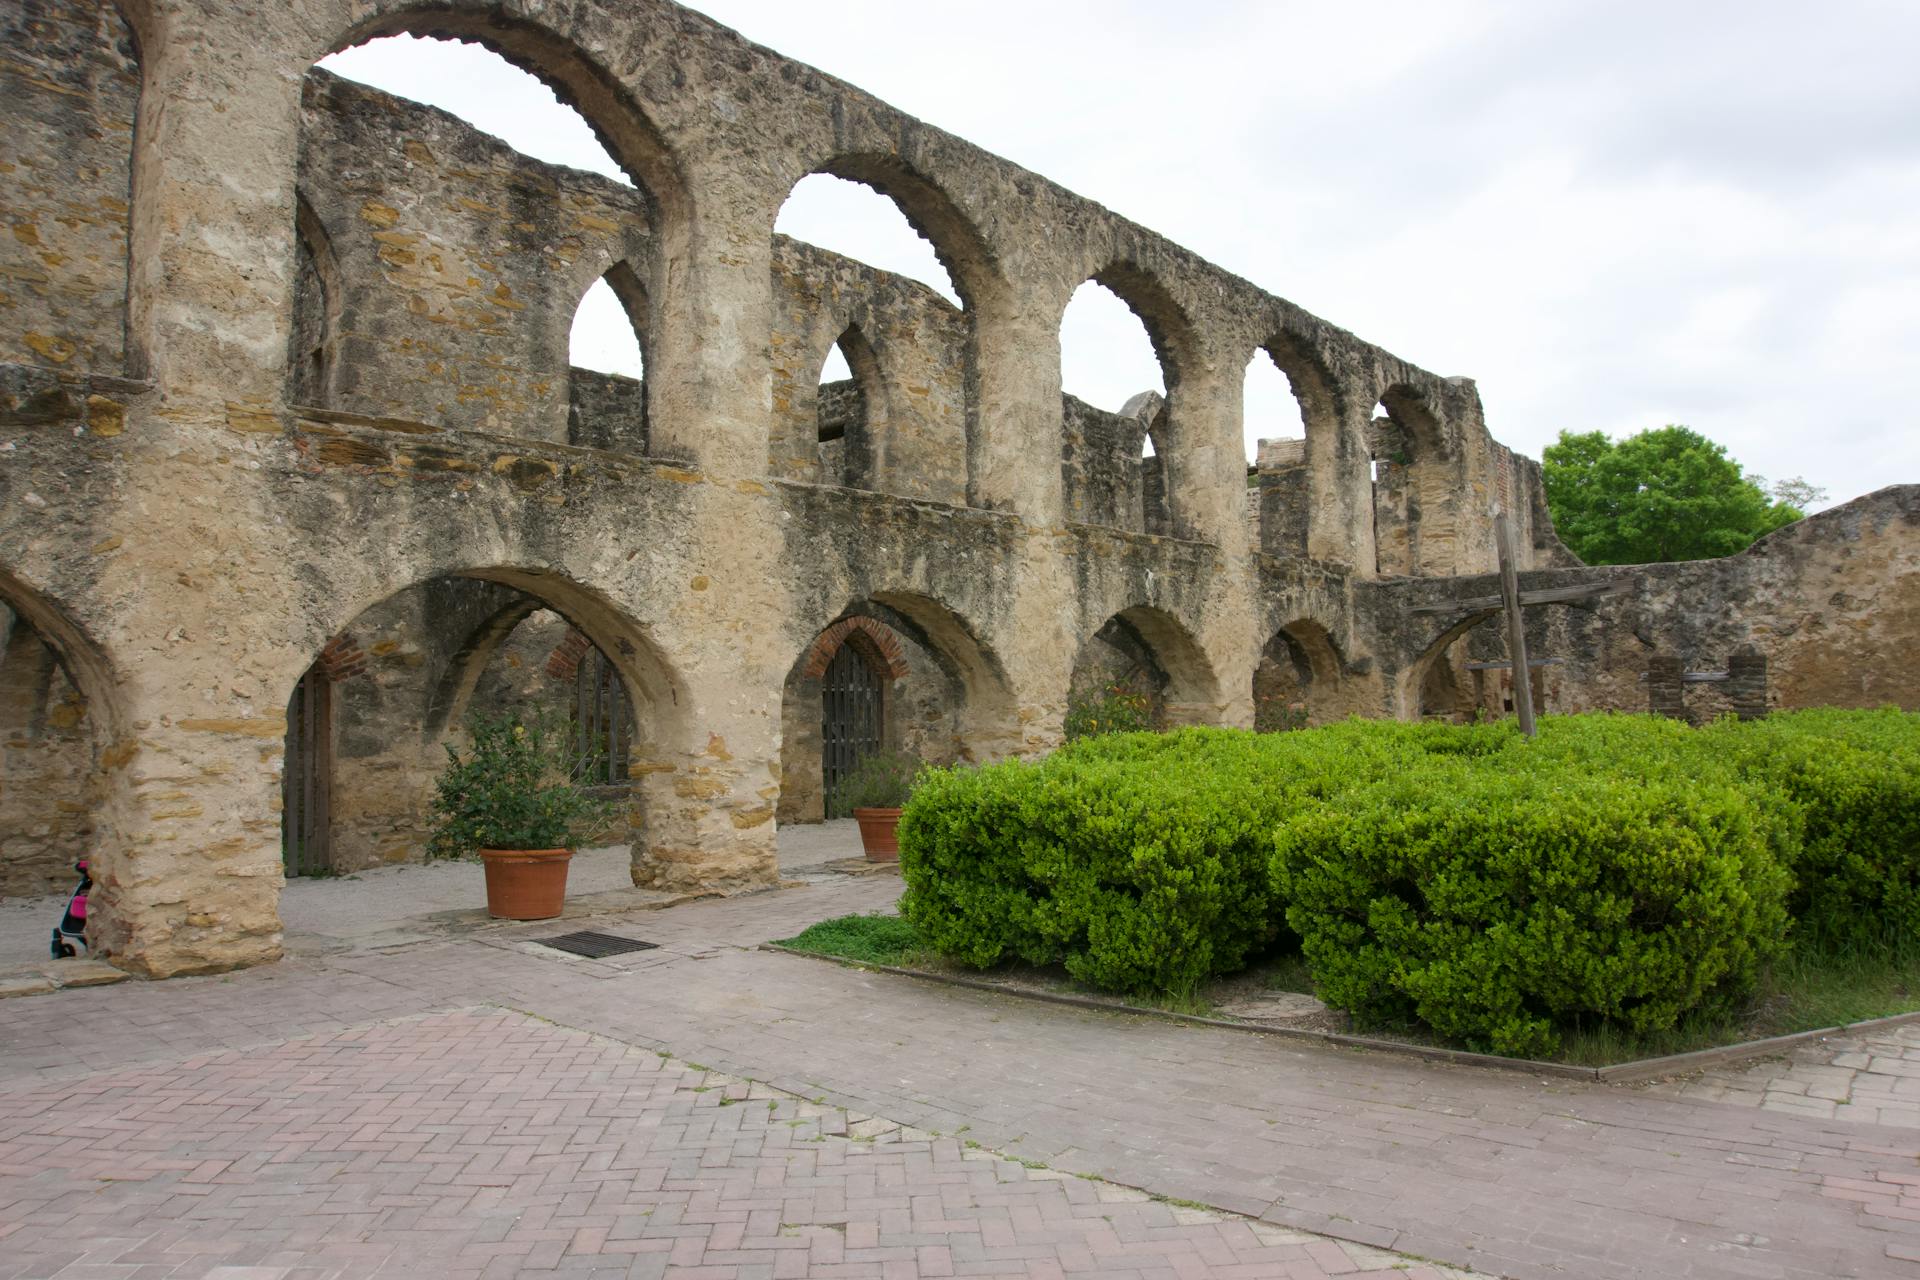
1670,494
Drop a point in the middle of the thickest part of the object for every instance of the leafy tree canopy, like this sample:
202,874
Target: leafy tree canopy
1670,494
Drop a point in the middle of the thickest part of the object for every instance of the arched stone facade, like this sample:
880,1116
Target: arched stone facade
341,380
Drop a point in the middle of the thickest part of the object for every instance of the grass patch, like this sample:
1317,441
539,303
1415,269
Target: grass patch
1814,985
868,939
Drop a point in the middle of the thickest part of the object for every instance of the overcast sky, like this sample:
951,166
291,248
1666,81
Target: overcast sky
1611,215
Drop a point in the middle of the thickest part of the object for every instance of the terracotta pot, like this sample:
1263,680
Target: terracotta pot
526,884
877,833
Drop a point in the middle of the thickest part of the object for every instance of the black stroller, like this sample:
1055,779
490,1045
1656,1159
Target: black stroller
70,935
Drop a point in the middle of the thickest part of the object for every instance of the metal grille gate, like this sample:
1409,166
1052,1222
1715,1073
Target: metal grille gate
850,725
305,817
602,722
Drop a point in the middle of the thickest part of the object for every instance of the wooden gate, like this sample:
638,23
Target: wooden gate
602,722
850,724
305,812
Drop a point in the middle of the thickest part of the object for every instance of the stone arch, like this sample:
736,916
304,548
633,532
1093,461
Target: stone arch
609,410
508,312
1415,485
1285,479
62,735
971,264
1159,452
1149,651
562,59
851,417
948,698
72,81
313,361
1297,681
1430,686
429,645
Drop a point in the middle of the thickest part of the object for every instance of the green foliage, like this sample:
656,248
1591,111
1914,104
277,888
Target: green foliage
1138,877
1117,709
868,939
1496,904
1849,784
1618,878
881,780
1663,495
513,789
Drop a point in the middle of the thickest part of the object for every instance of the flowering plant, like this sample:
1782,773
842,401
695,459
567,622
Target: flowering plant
1117,709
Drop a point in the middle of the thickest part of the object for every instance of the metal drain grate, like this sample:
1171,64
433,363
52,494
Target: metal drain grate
596,946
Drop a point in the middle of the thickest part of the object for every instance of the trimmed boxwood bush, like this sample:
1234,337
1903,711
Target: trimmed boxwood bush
1845,786
1139,861
1619,868
1137,878
1497,905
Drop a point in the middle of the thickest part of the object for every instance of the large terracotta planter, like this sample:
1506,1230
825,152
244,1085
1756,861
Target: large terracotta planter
526,884
877,833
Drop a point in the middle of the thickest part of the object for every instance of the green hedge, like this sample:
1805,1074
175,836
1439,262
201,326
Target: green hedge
1619,868
1496,905
1845,788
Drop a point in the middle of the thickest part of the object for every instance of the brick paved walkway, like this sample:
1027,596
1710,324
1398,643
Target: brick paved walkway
1501,1173
483,1143
1869,1077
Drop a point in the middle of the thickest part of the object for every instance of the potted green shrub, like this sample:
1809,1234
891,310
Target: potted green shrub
512,799
875,790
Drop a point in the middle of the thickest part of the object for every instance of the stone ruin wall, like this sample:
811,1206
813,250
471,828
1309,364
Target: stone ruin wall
280,357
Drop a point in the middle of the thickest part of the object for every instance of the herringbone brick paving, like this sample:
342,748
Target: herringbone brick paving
486,1143
1501,1173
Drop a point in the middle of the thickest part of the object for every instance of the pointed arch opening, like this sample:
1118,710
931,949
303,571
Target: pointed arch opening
55,722
866,240
1120,339
466,128
370,720
606,378
850,414
1144,664
895,671
1413,499
1298,680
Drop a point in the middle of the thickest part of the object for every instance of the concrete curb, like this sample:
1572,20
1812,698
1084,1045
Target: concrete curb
1618,1073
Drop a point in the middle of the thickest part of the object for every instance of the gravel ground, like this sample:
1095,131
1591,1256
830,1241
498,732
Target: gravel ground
367,899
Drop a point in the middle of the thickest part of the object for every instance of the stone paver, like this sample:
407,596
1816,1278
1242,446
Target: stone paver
485,1143
1870,1077
1481,1169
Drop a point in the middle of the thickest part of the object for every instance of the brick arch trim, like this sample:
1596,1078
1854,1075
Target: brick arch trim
564,662
881,644
342,659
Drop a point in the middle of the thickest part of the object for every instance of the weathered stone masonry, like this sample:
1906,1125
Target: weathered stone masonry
283,374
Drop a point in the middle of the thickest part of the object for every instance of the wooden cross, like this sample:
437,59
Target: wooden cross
1511,601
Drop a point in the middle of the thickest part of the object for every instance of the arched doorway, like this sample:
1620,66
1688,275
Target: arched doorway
853,695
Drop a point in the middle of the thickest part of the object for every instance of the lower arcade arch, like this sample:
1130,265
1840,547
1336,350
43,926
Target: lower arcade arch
896,672
56,722
1142,664
369,721
1299,681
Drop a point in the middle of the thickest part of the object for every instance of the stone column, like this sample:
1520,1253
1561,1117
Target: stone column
1747,684
1666,688
190,880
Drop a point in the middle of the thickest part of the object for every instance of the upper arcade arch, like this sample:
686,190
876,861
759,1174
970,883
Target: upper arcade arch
543,43
926,442
1417,484
1135,469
